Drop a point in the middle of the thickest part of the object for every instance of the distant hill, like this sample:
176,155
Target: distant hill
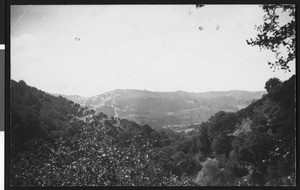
159,109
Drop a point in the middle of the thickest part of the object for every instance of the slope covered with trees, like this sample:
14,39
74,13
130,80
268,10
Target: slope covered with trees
56,142
257,143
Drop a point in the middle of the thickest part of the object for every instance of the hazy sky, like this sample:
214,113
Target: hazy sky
152,47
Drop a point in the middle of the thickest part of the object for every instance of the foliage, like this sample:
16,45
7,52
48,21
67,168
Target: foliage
221,144
221,122
203,141
271,84
210,174
83,161
234,169
276,36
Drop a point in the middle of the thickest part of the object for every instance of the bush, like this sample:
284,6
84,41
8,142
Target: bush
210,174
221,144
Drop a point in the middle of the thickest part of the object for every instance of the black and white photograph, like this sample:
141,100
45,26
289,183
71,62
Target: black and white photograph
152,95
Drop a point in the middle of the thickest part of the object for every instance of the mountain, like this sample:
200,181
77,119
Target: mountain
159,109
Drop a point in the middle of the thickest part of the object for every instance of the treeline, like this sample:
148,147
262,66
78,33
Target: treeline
55,142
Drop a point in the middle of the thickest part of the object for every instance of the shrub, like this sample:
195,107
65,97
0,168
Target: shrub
210,174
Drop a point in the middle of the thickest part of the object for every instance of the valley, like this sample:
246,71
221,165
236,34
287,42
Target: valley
162,109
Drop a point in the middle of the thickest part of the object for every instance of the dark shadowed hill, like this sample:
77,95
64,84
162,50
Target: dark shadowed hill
36,114
260,137
57,142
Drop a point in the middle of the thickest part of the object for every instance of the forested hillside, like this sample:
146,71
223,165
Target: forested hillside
55,142
260,138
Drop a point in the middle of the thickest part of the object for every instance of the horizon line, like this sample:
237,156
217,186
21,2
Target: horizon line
209,91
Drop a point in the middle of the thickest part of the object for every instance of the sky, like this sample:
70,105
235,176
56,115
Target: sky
87,50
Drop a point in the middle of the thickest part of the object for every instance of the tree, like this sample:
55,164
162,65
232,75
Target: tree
221,144
271,84
257,148
277,37
203,142
210,174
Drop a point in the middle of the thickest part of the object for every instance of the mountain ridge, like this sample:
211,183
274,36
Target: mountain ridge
161,92
166,108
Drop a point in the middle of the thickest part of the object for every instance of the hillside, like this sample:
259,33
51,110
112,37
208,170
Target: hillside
51,135
260,138
159,109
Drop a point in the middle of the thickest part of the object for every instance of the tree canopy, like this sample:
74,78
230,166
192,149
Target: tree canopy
276,36
271,84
